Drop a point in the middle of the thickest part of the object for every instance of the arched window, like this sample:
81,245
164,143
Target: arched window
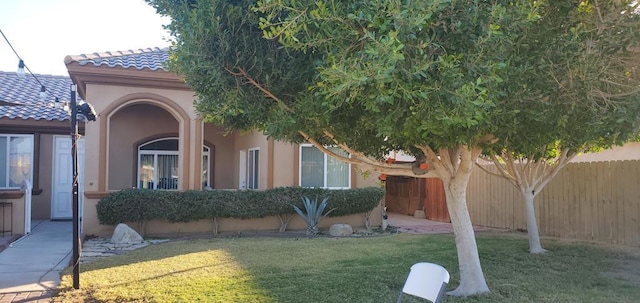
158,164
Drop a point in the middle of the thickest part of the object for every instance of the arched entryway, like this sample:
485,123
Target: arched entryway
136,124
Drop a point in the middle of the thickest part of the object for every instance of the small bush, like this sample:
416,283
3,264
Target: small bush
313,213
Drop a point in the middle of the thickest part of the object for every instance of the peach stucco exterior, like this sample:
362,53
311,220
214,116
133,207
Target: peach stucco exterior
136,106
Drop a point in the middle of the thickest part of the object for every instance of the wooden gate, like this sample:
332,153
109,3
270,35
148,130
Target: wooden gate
405,195
436,202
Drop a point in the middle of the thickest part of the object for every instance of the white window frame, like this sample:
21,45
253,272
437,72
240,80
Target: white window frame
8,159
156,153
253,168
324,169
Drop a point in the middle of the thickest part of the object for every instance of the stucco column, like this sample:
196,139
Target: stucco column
195,164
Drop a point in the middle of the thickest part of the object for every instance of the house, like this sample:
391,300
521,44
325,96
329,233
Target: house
35,146
147,135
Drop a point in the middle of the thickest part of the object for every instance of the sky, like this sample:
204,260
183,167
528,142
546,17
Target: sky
43,32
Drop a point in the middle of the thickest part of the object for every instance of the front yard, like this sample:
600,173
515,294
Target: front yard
350,270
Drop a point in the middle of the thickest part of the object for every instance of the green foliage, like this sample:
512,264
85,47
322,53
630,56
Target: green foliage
385,75
354,201
575,88
143,205
313,213
133,205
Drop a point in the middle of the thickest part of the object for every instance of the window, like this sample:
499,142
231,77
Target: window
206,155
252,173
320,170
16,156
158,164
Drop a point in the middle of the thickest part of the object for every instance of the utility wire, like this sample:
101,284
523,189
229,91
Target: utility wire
25,65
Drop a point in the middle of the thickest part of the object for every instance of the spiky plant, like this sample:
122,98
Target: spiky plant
313,213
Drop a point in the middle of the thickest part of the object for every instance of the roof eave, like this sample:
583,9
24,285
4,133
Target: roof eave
82,75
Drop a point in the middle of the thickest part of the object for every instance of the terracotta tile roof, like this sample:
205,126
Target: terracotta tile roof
20,97
148,58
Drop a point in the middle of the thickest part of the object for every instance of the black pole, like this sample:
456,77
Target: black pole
76,217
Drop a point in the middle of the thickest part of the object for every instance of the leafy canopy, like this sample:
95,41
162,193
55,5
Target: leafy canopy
375,75
577,86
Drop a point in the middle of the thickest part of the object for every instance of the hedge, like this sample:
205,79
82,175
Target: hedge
141,205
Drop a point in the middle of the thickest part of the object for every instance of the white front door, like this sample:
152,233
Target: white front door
61,204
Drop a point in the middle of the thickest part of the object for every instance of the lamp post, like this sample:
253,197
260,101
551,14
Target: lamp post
89,113
75,206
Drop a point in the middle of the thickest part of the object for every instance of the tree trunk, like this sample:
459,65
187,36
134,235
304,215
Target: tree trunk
472,280
284,221
532,226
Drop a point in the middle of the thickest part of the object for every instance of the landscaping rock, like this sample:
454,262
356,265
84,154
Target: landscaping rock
124,234
340,230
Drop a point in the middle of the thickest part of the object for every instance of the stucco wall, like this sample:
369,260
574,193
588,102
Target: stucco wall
41,204
130,127
13,219
224,164
284,155
365,178
252,140
629,151
108,96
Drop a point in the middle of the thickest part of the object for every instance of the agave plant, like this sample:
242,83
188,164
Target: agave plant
313,213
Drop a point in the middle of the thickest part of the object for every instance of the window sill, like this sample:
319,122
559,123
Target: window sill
11,194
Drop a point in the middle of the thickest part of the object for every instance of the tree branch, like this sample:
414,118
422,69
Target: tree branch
504,170
242,73
489,172
377,166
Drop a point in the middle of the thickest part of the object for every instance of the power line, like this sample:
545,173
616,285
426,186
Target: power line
43,88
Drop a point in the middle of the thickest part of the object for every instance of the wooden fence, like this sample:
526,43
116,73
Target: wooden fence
597,201
405,195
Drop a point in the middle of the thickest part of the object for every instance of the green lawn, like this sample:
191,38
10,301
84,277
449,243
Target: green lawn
350,270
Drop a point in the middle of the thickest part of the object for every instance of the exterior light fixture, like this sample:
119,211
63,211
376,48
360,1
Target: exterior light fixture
20,71
86,110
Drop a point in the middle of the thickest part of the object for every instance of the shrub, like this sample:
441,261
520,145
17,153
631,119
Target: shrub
189,206
142,205
133,205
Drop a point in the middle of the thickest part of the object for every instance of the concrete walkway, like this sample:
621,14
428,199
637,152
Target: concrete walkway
30,267
408,224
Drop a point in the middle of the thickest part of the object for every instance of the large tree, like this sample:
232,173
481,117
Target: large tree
579,92
430,78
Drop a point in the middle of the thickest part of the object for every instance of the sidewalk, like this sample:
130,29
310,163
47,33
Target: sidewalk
30,267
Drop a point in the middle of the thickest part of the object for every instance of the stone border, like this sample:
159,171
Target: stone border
98,248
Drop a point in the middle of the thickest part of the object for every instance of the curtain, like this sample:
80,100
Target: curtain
337,171
20,160
253,169
167,172
205,171
146,172
311,167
